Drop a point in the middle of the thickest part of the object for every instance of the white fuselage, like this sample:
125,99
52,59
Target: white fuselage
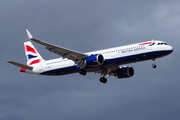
114,56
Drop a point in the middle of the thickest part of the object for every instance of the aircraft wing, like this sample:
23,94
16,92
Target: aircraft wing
75,56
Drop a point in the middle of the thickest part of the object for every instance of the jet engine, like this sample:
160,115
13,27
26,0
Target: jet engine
125,72
94,60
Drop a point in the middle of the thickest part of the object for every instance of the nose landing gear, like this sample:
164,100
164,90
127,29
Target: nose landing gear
153,65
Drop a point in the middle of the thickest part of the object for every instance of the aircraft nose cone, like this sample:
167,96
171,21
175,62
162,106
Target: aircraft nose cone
171,48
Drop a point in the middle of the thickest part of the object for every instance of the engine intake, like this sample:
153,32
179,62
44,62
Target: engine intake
94,60
125,72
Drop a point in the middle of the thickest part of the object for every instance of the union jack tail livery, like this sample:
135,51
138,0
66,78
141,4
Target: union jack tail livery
32,55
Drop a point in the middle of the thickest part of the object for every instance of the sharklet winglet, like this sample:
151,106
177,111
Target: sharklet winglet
29,34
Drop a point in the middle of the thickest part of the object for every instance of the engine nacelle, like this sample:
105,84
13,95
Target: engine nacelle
125,72
94,60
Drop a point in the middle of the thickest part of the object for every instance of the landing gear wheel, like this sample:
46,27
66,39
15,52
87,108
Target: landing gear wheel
103,80
154,66
82,72
153,61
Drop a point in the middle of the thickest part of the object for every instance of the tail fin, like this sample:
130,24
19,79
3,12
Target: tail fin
32,55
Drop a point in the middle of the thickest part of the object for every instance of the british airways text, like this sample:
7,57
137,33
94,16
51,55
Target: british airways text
133,49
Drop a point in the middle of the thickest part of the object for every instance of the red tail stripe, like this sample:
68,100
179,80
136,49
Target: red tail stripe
35,61
23,70
30,49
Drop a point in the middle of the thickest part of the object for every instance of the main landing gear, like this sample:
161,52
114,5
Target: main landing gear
103,80
82,72
153,65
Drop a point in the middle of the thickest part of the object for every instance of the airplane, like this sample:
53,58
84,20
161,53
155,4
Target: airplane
107,62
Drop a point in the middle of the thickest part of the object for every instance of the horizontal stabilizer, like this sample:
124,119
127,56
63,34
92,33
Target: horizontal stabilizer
20,65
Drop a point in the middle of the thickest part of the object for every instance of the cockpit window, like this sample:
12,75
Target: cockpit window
162,43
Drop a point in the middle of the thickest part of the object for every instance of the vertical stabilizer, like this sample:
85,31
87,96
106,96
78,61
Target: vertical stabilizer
32,55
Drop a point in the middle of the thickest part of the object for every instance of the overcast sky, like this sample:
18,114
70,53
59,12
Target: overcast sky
87,25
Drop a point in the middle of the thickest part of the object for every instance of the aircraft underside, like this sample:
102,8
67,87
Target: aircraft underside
108,64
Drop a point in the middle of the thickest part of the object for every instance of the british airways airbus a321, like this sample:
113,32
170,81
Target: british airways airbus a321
107,62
